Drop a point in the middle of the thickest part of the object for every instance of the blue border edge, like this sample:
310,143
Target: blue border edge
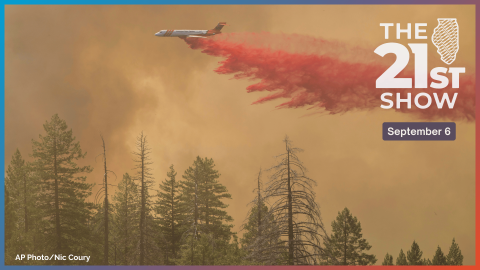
2,144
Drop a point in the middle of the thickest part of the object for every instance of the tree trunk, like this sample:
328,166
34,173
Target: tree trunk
195,223
207,212
173,221
126,225
25,201
105,246
345,243
57,204
142,211
259,204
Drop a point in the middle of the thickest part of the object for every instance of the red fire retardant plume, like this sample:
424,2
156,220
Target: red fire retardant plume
322,74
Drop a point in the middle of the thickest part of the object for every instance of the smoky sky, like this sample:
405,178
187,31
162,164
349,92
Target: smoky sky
102,70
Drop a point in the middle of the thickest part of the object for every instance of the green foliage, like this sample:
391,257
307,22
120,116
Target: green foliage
260,232
233,254
201,198
388,260
258,238
22,217
439,258
251,227
426,261
346,243
401,259
454,256
97,234
170,212
201,184
206,250
414,255
10,216
46,212
63,191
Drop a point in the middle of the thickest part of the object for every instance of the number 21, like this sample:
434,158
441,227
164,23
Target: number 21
388,80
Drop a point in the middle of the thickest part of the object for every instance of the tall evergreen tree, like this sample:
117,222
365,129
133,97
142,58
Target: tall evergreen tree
212,206
126,203
294,209
63,191
191,194
388,260
202,196
10,215
21,214
401,259
439,258
454,256
18,182
168,207
414,255
15,179
347,243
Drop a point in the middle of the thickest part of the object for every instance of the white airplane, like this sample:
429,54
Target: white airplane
191,33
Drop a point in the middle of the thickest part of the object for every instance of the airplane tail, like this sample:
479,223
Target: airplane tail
219,26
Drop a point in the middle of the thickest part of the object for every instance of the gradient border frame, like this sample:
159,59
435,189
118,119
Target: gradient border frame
238,2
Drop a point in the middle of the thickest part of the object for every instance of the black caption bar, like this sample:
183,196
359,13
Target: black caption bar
419,131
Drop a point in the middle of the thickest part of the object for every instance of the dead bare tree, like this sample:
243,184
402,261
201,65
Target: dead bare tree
294,210
145,178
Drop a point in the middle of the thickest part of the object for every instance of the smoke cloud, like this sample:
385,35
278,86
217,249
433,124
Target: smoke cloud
327,75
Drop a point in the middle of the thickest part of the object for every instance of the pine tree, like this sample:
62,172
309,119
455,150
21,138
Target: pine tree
414,255
168,207
401,259
22,220
258,239
201,198
10,216
454,256
212,207
260,231
17,180
295,212
439,258
347,242
148,249
63,191
252,227
388,260
97,228
126,203
190,198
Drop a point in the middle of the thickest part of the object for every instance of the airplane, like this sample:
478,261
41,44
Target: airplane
191,33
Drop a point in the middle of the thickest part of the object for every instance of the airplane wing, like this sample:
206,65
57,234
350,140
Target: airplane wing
196,36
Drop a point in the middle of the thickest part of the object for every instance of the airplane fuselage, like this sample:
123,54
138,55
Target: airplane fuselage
184,33
191,33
